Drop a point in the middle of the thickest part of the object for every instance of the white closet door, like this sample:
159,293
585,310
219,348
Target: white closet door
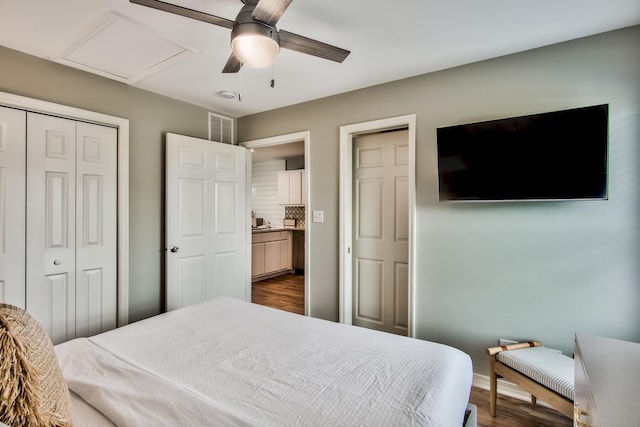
71,208
12,206
96,229
51,164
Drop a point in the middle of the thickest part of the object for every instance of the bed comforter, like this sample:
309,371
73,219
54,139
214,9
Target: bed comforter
228,362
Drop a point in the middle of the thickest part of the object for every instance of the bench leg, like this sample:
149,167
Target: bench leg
493,386
534,400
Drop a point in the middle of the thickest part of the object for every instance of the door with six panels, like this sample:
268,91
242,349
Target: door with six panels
58,217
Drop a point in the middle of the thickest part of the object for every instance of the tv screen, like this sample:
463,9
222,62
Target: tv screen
560,155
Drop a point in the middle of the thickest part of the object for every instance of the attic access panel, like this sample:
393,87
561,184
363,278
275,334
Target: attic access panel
119,48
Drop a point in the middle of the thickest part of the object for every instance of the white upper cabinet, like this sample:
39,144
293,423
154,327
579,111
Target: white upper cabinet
291,189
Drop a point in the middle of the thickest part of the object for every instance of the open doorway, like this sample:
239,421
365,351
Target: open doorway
278,198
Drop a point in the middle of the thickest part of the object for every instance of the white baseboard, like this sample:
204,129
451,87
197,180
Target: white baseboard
505,388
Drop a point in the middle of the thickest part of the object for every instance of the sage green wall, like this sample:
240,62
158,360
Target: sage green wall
150,116
542,270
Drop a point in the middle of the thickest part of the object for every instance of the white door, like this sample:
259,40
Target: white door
381,231
96,229
207,221
12,205
71,226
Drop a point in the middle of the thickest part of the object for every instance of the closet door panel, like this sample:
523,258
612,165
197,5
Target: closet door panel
57,310
12,206
51,240
96,225
89,303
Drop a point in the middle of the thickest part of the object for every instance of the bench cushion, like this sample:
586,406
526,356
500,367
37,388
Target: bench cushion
546,366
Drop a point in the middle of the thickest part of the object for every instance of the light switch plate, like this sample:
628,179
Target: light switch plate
318,216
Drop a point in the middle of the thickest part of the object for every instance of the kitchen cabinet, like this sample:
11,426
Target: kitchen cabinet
298,250
270,254
257,259
291,188
285,253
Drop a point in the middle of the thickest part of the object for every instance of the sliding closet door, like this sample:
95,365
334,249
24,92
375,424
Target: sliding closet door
71,214
12,206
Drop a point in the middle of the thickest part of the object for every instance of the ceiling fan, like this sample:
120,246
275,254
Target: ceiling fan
255,40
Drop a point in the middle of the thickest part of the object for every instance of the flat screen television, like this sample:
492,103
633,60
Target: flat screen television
560,155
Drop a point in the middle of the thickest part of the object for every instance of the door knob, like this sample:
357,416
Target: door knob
57,261
174,249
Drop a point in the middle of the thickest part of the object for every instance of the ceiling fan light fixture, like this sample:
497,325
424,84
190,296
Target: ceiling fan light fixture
255,44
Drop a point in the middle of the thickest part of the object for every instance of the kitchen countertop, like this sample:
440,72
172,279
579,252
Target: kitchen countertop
267,230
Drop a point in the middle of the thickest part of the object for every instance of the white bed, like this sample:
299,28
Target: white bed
228,362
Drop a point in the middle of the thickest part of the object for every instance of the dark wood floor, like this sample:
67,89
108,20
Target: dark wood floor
287,293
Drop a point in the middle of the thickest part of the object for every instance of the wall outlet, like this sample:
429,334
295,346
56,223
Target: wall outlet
503,341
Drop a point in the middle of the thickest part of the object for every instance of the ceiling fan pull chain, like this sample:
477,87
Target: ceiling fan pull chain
273,82
240,97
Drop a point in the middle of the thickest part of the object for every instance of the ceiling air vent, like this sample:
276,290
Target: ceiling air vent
221,129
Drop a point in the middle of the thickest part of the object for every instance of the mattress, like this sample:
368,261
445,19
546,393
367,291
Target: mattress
229,362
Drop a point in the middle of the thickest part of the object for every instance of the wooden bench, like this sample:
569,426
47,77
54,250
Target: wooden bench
545,373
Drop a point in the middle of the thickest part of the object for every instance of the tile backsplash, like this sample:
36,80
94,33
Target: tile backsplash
295,212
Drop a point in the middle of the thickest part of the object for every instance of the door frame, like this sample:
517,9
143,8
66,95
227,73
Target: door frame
279,140
347,133
122,126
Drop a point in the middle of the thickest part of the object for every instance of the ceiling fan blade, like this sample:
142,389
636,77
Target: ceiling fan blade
189,13
311,47
233,65
270,11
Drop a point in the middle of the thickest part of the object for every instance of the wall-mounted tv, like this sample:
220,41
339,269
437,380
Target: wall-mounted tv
561,155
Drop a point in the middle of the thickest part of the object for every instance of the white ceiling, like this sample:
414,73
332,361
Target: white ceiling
388,40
